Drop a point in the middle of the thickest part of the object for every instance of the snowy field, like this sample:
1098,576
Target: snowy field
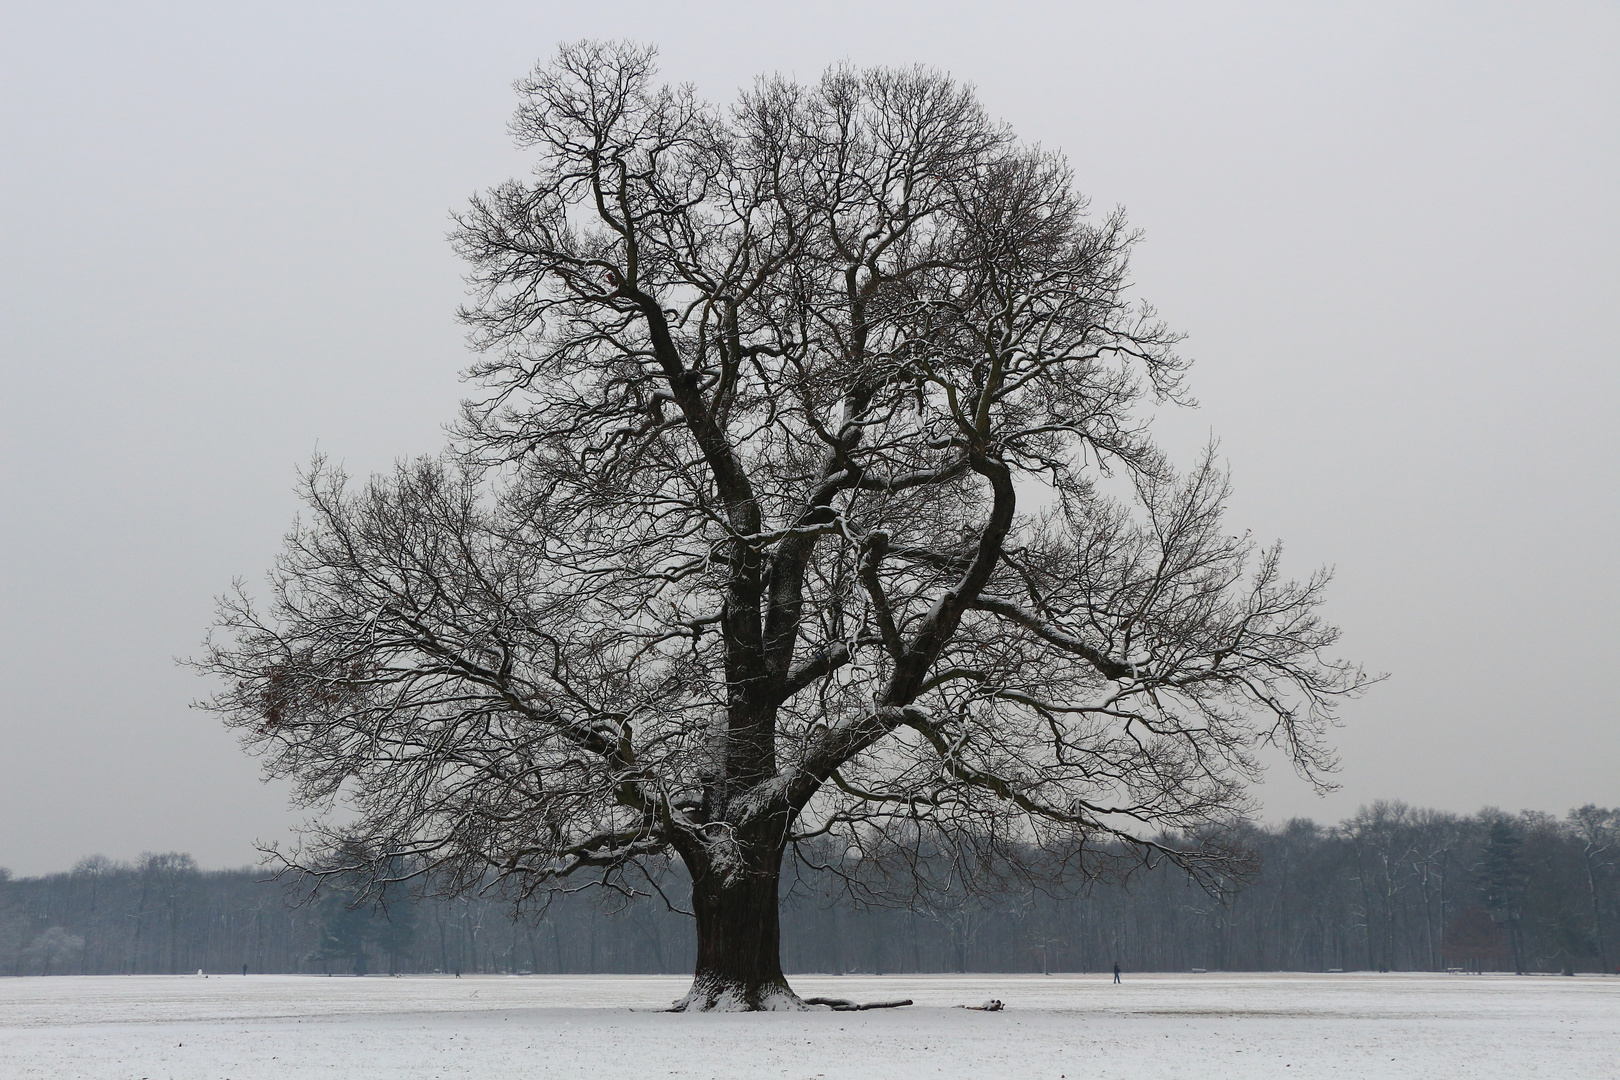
1210,1027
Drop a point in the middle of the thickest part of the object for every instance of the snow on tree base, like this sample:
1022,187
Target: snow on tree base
715,995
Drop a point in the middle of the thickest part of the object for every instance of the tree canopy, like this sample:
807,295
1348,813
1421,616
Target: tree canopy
809,493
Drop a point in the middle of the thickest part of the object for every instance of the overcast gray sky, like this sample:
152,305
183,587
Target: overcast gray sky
1389,230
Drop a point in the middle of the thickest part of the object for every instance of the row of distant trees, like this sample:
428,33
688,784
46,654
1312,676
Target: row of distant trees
1391,888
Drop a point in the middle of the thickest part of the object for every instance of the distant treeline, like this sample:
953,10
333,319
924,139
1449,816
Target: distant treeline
1392,888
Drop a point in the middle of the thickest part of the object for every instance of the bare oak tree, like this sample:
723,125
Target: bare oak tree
782,517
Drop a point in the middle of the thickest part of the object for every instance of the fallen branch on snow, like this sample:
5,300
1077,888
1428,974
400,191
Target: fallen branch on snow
841,1005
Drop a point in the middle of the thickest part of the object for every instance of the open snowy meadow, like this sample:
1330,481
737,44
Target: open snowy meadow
1212,1027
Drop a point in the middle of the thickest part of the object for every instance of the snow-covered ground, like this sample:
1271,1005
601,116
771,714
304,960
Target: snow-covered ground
1210,1027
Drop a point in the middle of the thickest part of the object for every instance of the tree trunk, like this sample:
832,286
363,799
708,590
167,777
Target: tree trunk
734,896
1597,909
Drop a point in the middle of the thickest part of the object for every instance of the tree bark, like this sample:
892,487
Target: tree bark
734,896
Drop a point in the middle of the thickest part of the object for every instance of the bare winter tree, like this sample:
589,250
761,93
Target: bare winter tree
783,517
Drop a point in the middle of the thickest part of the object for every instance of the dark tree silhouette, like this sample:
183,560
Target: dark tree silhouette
782,518
1503,881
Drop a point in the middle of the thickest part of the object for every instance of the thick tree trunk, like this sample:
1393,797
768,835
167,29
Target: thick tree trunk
739,965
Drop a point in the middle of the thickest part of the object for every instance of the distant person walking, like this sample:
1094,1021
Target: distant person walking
1116,971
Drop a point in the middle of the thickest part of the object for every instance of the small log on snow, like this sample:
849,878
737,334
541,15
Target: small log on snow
843,1005
993,1005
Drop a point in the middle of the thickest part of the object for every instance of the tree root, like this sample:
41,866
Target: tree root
711,994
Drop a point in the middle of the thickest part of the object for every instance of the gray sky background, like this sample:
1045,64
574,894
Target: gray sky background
1390,231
